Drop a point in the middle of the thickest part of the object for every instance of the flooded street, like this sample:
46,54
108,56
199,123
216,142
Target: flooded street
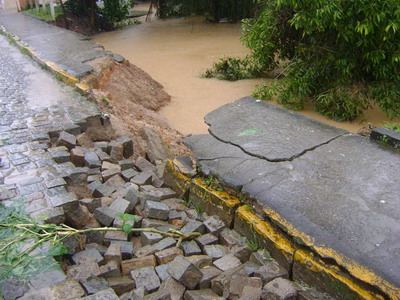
176,51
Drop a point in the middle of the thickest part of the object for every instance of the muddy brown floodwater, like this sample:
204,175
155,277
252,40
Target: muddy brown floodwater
176,51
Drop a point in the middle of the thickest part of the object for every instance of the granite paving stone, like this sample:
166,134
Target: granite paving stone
279,288
94,285
215,251
204,294
167,255
242,287
137,263
143,165
209,273
127,164
150,238
128,174
142,178
183,271
161,271
155,210
146,277
193,226
190,248
206,239
107,294
271,271
241,251
121,285
227,262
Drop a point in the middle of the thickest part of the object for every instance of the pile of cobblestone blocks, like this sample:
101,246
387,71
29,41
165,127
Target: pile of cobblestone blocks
219,264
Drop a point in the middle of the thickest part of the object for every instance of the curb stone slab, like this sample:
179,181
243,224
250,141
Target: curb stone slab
313,177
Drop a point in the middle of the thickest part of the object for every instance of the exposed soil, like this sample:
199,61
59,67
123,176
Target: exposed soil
75,23
132,98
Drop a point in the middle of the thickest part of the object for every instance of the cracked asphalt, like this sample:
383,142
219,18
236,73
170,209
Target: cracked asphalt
339,188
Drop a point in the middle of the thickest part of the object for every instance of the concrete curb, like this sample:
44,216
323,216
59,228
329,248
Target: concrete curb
386,136
306,261
51,67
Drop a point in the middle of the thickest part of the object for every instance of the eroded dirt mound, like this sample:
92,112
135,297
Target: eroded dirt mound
128,82
132,98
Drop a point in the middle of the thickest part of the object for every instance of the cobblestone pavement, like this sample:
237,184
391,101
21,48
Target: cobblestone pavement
33,107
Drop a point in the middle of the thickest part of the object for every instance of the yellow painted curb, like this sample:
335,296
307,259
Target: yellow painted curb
224,199
53,68
82,87
61,74
280,247
176,180
212,201
350,265
330,277
286,244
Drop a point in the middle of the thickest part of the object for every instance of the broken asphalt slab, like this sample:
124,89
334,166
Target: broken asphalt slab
289,134
340,189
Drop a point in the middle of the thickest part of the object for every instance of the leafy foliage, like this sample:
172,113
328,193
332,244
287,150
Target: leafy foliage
27,245
341,54
23,254
232,69
214,10
102,17
115,10
45,15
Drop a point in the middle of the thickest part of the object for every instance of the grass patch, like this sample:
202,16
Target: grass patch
233,68
393,126
45,16
213,183
253,245
189,203
127,23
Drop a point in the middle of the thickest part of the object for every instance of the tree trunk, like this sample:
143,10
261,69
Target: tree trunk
92,17
215,5
161,8
64,14
53,14
235,11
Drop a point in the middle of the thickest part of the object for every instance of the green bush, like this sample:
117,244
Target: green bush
233,68
214,10
102,18
115,10
341,54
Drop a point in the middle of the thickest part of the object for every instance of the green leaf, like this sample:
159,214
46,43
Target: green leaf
129,217
127,228
126,217
121,216
58,250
